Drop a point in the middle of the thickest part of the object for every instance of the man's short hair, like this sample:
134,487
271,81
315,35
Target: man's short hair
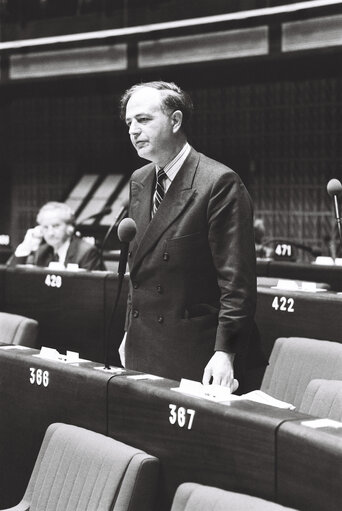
173,98
65,212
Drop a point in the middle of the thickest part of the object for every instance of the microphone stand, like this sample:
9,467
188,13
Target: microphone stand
338,219
121,275
126,232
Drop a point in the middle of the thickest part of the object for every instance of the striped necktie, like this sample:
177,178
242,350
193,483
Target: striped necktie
160,190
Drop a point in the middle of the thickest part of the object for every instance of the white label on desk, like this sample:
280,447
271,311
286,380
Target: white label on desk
144,377
14,347
52,280
283,304
181,416
322,423
39,377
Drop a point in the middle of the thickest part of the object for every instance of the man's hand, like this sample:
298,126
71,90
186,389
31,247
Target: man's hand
122,350
32,240
220,370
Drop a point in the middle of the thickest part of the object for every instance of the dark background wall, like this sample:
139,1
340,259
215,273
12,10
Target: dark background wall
277,124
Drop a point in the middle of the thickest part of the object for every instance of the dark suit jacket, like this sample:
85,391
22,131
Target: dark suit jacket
79,252
192,272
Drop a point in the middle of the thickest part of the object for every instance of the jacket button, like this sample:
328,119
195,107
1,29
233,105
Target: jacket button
160,319
135,285
130,253
135,313
166,256
159,289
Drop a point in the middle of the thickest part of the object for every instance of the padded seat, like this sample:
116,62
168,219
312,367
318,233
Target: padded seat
197,497
16,329
323,398
80,470
295,361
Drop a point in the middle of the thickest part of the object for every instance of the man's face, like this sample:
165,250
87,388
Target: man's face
150,129
54,229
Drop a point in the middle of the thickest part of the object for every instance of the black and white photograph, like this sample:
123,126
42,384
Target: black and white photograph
170,255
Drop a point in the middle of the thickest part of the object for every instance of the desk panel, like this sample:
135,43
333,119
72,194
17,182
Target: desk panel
309,467
229,446
332,275
2,287
34,393
262,267
72,308
282,313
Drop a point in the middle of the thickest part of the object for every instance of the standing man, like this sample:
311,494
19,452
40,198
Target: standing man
192,264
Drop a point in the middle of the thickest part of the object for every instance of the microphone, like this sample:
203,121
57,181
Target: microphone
334,189
126,231
105,211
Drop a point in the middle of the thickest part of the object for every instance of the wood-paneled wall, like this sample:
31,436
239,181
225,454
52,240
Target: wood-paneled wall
279,127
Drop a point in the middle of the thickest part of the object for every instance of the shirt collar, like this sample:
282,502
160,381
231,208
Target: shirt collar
173,166
62,251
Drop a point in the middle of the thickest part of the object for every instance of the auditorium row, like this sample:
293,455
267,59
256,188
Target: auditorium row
245,445
235,443
285,307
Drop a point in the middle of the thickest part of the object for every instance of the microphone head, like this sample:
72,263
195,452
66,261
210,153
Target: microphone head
106,211
127,229
334,187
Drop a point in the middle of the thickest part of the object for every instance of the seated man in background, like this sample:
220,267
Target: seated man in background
54,239
261,249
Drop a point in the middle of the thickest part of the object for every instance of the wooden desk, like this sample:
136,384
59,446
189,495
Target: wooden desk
283,313
34,393
229,446
72,308
309,467
332,275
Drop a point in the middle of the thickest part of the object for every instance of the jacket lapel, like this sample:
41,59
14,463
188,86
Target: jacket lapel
141,199
70,255
175,201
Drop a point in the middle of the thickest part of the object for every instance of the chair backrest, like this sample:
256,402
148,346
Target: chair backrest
295,361
196,497
323,398
80,470
16,329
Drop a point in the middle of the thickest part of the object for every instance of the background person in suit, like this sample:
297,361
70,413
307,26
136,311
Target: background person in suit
53,239
192,263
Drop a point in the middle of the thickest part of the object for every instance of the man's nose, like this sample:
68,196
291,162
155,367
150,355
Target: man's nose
134,128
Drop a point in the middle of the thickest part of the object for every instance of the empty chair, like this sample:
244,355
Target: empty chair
80,470
323,398
295,361
16,329
196,497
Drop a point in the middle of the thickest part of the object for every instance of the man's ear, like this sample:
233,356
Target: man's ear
70,230
176,119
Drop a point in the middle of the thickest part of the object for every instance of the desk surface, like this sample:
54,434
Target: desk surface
34,393
72,308
231,446
331,274
283,313
309,467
